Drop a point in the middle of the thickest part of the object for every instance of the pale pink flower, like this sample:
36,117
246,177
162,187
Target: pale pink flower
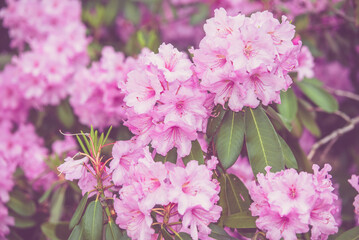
305,67
134,217
73,169
192,187
5,222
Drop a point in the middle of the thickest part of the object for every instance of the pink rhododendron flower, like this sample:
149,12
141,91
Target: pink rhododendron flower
354,181
288,203
95,95
246,60
73,169
305,64
5,222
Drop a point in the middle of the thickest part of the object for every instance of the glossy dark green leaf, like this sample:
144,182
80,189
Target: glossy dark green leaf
56,231
20,204
195,154
319,96
215,121
77,233
240,220
229,139
307,118
65,114
79,211
57,204
183,236
223,199
170,157
219,233
112,231
352,234
289,159
125,236
165,234
279,119
237,196
262,142
93,221
289,104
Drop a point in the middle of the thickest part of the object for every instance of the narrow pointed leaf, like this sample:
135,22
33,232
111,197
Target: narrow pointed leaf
229,139
93,221
223,199
22,222
289,159
112,231
77,233
262,142
352,234
108,133
241,220
195,154
86,141
48,192
170,157
237,196
307,118
215,121
82,145
289,104
79,210
319,96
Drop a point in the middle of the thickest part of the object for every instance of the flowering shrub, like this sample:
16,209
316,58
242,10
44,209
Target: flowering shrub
179,119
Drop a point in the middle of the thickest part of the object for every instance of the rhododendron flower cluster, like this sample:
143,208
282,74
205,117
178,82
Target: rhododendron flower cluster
354,181
30,20
168,106
246,60
95,96
58,43
288,202
305,64
183,196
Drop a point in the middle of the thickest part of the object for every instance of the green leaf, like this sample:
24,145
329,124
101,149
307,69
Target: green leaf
215,121
223,199
319,96
111,10
82,145
77,233
195,154
20,204
48,192
23,222
219,233
165,234
65,114
307,118
289,159
183,236
201,15
240,220
262,142
93,221
112,231
352,234
56,231
170,157
289,104
132,13
281,120
57,204
107,134
229,140
237,196
79,210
